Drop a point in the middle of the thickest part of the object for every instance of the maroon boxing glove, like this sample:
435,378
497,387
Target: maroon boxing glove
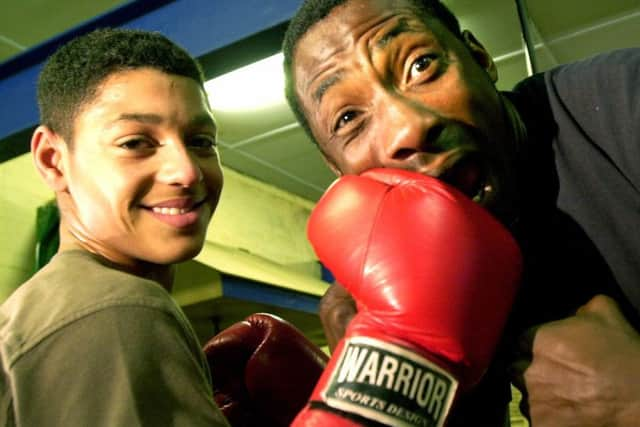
263,370
433,276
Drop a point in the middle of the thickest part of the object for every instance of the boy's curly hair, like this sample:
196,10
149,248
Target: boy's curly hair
72,75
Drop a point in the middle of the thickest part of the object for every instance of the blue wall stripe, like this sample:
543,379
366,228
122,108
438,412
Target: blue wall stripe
248,290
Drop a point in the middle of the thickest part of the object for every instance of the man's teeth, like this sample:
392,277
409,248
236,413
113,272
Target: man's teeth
170,211
484,190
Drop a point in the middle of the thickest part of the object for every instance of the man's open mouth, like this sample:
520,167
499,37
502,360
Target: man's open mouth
469,176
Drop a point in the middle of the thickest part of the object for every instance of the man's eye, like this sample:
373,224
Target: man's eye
420,65
344,119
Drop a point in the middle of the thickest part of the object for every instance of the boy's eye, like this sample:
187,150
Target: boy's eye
136,144
203,142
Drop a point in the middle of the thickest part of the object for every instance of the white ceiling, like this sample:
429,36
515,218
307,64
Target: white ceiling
267,144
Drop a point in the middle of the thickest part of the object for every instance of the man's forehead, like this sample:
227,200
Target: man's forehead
321,47
346,23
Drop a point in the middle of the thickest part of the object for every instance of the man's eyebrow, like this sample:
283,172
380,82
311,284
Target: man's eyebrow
324,86
402,26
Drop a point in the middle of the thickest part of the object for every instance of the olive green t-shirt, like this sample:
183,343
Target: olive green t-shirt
82,344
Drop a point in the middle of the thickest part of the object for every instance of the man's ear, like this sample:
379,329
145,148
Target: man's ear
480,54
48,150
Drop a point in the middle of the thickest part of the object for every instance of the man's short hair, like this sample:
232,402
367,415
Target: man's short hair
313,11
72,75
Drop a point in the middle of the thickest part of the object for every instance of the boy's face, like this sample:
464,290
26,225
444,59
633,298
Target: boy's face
382,86
142,175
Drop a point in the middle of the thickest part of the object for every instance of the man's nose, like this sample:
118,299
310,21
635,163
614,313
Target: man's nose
411,130
179,166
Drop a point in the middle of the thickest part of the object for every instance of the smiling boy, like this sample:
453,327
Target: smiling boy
127,142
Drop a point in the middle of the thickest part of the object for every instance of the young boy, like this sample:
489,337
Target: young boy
127,142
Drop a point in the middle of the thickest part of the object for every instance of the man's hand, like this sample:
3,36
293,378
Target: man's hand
431,300
337,308
583,371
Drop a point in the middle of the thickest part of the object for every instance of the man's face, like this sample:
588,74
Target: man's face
142,175
382,86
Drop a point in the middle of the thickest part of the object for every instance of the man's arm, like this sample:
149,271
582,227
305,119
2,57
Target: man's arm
123,365
583,371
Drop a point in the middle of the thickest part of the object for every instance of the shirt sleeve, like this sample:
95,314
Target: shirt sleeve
119,366
601,97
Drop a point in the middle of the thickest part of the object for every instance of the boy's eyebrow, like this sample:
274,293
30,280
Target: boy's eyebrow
201,120
139,117
146,118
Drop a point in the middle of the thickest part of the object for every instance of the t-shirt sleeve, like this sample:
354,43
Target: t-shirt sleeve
601,96
120,366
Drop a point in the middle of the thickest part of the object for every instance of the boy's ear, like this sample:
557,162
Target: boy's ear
480,54
48,149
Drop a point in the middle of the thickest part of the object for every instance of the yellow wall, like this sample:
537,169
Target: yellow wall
21,192
262,220
259,232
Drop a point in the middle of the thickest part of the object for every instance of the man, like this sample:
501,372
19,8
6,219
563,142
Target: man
127,142
397,84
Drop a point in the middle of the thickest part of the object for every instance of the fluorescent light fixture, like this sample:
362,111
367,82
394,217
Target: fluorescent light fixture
252,87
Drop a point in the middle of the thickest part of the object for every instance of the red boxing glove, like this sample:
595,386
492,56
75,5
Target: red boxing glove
433,275
263,370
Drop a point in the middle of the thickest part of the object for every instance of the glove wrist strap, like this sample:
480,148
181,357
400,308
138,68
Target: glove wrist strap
388,383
